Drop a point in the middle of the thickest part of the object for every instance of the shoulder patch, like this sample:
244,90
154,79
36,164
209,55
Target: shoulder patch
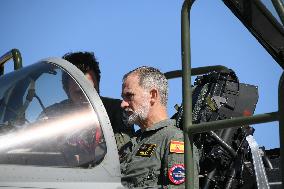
177,174
146,150
177,147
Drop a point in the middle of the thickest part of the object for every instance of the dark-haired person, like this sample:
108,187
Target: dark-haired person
88,64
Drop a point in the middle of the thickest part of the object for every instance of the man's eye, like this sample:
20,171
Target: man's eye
128,96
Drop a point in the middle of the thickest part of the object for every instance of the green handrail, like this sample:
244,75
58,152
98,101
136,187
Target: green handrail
234,122
187,94
12,54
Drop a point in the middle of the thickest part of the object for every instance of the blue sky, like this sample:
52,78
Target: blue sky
126,34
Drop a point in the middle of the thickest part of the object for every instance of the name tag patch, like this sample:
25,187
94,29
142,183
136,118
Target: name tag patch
177,174
177,147
146,150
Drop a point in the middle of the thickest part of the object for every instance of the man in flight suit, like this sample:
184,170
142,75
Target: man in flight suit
157,156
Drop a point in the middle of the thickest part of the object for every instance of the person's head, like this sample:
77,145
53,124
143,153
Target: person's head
88,64
145,96
72,89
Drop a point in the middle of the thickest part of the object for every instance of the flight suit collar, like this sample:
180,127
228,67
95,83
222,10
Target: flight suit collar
161,124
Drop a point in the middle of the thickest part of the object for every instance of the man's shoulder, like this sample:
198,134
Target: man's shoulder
171,131
171,125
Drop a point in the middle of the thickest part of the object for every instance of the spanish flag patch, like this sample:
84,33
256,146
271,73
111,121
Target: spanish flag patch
177,147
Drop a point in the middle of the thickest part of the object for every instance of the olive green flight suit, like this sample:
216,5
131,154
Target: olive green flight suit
157,158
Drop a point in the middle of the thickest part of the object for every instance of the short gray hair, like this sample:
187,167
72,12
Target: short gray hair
151,77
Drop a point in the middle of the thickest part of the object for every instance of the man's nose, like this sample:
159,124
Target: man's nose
124,104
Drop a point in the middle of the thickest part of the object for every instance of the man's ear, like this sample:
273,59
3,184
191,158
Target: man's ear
153,96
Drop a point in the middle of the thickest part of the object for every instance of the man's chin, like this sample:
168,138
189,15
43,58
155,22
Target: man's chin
131,121
128,122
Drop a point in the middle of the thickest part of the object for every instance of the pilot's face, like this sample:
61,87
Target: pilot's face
90,75
75,93
136,100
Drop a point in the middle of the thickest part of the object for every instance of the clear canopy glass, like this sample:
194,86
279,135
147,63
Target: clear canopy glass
47,120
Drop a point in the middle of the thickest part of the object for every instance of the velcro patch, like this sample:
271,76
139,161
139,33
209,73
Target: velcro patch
146,150
177,147
177,174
